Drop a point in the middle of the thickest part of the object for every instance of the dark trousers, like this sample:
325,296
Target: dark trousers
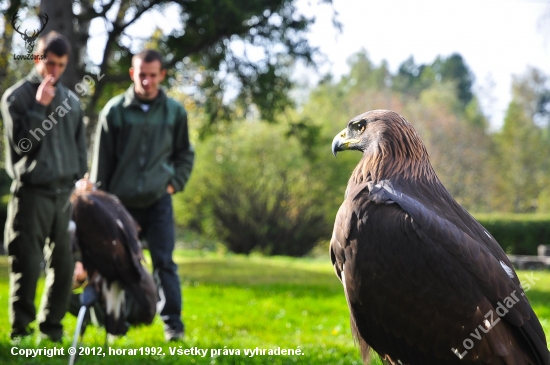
157,226
37,229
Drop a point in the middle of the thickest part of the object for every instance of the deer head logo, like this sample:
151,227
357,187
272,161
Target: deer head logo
30,39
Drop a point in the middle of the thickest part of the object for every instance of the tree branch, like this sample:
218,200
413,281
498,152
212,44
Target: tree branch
90,12
141,11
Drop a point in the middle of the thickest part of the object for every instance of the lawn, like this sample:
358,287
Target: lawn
234,303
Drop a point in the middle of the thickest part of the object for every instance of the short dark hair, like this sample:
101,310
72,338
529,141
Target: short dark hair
55,43
149,55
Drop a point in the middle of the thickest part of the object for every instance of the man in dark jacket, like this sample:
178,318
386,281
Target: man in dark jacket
45,155
142,155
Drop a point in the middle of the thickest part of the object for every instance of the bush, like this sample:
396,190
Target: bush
253,190
518,234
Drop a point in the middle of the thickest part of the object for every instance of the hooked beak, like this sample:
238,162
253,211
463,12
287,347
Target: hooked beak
341,142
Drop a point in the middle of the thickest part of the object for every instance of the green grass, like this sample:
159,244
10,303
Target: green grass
230,302
237,302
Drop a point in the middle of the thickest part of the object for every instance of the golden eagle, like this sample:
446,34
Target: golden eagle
107,236
425,283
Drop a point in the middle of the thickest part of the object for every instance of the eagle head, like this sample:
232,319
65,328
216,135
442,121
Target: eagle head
85,185
369,129
353,137
390,145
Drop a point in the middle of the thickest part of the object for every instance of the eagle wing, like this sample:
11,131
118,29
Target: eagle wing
104,230
426,283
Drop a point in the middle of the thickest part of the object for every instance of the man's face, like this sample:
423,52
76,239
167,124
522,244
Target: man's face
53,65
147,77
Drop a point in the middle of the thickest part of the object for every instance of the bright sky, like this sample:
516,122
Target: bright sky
497,39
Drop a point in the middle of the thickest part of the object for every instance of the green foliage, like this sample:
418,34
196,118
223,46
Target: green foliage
454,69
456,139
364,74
532,91
253,189
543,200
411,78
458,149
522,150
518,234
504,171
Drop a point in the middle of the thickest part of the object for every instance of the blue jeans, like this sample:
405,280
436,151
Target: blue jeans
157,226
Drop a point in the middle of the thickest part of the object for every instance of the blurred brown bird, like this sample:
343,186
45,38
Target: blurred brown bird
111,253
424,281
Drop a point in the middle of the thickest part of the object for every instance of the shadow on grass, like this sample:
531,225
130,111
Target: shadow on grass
262,277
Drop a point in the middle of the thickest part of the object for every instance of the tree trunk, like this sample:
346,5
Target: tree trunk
62,20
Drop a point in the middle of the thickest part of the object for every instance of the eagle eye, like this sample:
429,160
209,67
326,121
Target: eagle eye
361,125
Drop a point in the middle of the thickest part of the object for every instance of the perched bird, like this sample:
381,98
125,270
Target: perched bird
111,253
425,283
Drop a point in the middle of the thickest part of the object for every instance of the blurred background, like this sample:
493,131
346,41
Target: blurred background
268,83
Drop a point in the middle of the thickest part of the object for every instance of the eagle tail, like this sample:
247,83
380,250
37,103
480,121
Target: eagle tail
144,293
366,352
531,331
115,321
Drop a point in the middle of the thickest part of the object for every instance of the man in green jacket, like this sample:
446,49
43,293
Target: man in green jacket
45,155
142,155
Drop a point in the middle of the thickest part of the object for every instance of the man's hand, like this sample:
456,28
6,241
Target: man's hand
79,274
46,91
170,189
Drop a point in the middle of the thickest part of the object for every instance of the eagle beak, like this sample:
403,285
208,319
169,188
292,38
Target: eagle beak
341,142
